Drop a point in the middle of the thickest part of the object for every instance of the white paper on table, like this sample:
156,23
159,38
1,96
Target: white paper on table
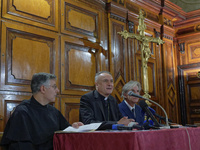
84,128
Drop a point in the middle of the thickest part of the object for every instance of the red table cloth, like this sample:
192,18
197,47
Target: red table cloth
164,139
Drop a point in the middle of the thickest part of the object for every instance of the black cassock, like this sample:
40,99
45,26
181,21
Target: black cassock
32,126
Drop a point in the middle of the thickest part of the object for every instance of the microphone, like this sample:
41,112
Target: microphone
131,93
144,106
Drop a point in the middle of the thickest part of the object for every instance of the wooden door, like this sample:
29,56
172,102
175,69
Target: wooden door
189,81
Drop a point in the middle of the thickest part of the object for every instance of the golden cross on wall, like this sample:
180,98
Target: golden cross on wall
145,50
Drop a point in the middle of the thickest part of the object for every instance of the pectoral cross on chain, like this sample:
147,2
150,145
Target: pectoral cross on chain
145,50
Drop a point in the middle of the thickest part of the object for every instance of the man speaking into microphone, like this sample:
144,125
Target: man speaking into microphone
128,107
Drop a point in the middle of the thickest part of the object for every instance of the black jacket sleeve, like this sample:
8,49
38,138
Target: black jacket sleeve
91,112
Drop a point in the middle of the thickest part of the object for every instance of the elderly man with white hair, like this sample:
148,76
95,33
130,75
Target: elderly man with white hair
128,107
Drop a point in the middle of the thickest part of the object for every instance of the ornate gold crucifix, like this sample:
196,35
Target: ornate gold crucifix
145,50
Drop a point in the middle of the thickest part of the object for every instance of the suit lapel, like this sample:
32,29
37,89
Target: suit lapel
100,104
127,110
112,110
138,114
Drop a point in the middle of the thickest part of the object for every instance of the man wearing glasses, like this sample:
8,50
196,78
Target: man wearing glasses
34,121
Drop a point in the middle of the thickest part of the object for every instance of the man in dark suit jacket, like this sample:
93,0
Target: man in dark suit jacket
139,114
128,106
100,106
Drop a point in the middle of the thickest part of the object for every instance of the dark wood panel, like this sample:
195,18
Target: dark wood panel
169,56
188,47
87,20
70,108
193,51
9,108
25,51
1,134
8,102
118,51
131,60
80,63
0,7
171,103
118,56
42,13
189,87
188,58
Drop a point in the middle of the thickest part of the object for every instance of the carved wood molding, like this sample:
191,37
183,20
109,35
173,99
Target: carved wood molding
116,17
117,11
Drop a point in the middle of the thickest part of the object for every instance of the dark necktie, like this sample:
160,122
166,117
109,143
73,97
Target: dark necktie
133,111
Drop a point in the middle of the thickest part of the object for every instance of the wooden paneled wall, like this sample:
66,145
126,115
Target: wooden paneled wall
189,79
188,57
74,39
65,37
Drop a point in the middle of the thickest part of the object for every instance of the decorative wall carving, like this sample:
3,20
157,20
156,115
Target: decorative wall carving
119,18
193,49
182,47
168,22
198,27
131,27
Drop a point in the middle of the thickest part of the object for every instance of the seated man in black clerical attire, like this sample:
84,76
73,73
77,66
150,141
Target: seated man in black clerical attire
100,106
34,121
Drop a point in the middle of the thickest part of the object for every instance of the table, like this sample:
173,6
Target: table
163,139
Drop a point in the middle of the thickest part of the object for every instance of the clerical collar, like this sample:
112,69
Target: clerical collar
129,106
35,102
102,97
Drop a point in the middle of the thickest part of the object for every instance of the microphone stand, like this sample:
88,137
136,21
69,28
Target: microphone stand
166,117
161,118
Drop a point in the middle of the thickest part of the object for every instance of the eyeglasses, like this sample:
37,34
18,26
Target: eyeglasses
53,86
